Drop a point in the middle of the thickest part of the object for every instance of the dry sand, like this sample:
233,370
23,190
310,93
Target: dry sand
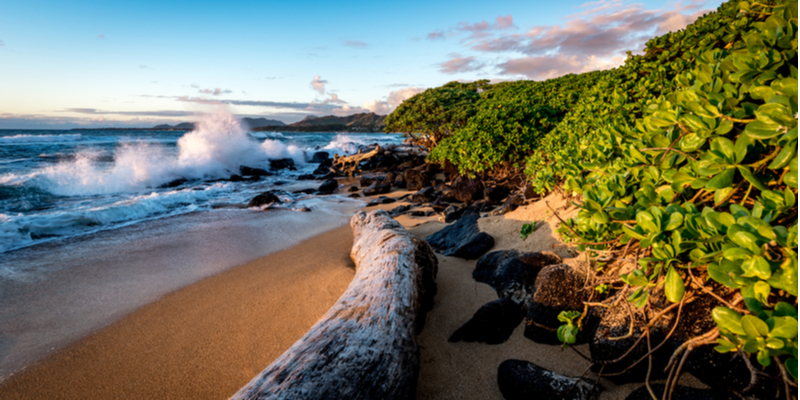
209,339
204,341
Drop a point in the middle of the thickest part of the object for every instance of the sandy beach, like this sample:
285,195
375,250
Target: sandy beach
207,340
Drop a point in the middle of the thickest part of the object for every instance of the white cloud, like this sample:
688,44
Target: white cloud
318,84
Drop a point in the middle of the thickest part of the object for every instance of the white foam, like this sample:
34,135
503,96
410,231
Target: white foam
267,135
31,139
16,230
344,144
215,149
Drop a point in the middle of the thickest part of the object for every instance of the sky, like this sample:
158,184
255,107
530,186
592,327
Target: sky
141,63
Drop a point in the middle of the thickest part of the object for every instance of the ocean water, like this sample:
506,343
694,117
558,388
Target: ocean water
60,184
88,233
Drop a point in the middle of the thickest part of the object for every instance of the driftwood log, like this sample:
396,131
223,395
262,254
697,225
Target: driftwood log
365,346
348,165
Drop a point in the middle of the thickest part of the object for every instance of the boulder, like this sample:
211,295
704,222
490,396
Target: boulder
248,171
399,181
467,190
353,189
306,177
680,393
419,213
320,157
263,199
381,200
495,193
355,195
511,204
377,189
493,323
324,167
305,191
367,181
399,210
281,163
236,178
522,380
425,195
329,186
416,180
558,288
453,213
462,239
614,323
512,274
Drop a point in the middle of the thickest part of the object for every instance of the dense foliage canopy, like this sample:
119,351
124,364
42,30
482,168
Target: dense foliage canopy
685,158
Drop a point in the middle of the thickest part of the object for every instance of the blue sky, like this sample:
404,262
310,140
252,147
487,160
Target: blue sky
86,63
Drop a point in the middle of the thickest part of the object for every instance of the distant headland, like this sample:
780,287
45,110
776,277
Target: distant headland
365,122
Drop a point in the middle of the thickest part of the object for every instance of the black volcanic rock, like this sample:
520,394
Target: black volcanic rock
248,171
512,274
264,199
329,186
281,163
522,380
462,239
377,189
320,157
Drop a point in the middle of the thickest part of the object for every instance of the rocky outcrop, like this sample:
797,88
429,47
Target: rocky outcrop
511,273
264,199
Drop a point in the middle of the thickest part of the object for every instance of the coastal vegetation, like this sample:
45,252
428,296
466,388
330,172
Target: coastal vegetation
683,163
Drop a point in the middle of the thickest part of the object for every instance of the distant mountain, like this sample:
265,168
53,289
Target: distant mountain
251,123
366,122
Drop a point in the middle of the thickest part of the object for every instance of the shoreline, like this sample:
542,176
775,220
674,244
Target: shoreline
205,340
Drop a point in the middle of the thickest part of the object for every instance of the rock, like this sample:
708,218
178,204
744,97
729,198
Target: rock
452,213
615,323
281,163
305,191
354,195
247,171
306,177
495,193
377,189
389,178
399,181
399,210
522,380
511,204
462,239
279,183
558,288
493,323
416,180
303,209
425,195
329,186
324,167
320,157
236,178
353,189
369,181
263,199
512,274
174,183
467,190
680,393
418,213
381,200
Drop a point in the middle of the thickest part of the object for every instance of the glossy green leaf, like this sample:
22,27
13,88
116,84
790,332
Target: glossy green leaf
674,287
728,319
754,326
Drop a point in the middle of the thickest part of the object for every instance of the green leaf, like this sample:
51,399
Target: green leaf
761,131
748,174
728,320
646,221
785,156
756,267
674,287
744,239
761,290
721,180
763,357
784,328
675,221
791,366
754,327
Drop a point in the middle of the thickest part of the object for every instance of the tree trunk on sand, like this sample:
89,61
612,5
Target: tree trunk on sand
365,346
349,164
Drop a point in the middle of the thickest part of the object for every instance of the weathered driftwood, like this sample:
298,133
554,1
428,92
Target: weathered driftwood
364,347
348,165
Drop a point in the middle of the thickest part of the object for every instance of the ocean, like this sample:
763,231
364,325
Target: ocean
90,230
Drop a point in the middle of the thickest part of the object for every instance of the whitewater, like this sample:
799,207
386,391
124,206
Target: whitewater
56,185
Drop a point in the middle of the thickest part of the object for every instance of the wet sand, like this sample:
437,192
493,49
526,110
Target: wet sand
206,340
